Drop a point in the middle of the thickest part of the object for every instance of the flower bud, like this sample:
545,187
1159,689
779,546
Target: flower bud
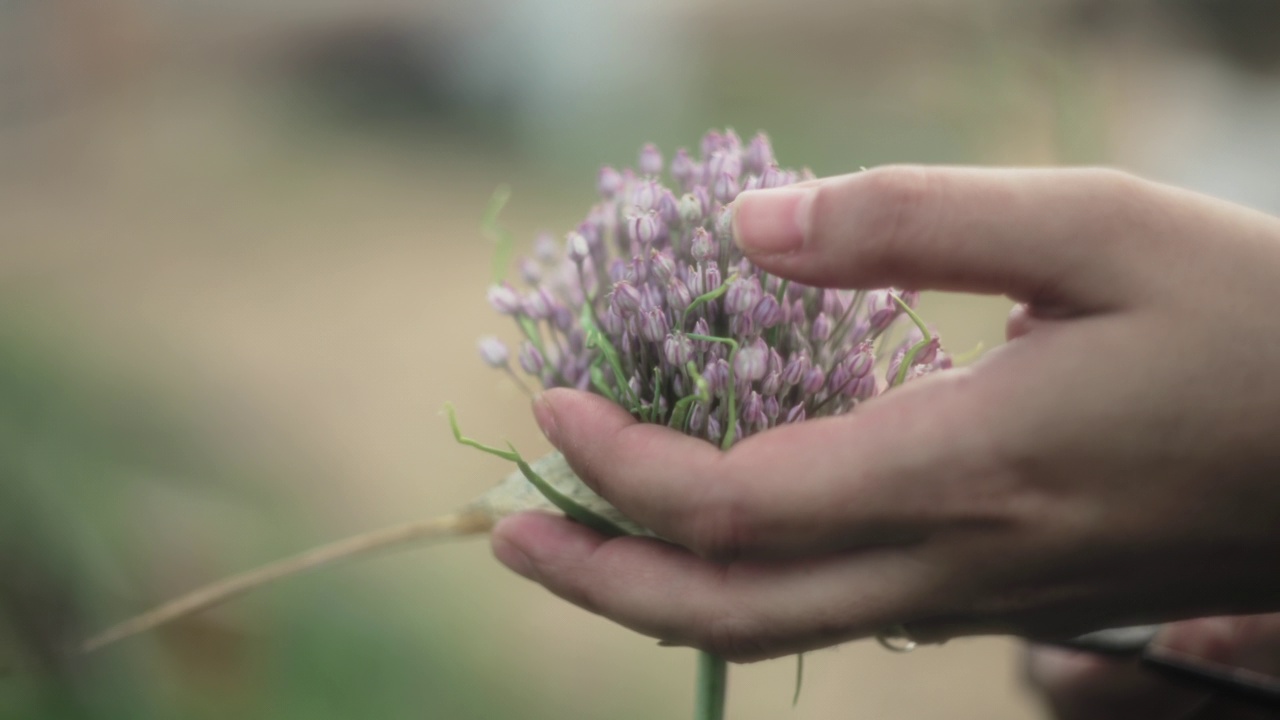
881,309
714,433
626,298
795,414
821,329
814,379
767,312
611,321
643,227
504,299
716,374
697,417
662,265
794,371
711,277
645,195
726,188
650,160
724,226
860,361
537,304
711,142
678,349
577,248
530,359
653,324
608,183
679,297
493,351
772,384
690,209
668,209
771,408
751,360
704,197
759,155
771,178
682,169
725,163
753,411
864,388
703,246
742,325
743,294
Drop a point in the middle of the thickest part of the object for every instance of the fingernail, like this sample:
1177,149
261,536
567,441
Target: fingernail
545,416
768,222
515,559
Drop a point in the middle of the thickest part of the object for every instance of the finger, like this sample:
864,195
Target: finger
869,478
741,612
1084,686
1041,236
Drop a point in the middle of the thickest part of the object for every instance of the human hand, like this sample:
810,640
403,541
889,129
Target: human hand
1086,686
1114,463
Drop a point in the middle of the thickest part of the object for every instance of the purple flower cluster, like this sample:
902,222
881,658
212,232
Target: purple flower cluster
651,304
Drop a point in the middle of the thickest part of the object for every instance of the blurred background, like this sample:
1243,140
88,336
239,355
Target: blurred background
241,271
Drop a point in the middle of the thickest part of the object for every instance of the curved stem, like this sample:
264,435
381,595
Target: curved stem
713,677
463,523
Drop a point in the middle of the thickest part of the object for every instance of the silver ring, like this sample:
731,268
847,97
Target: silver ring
897,638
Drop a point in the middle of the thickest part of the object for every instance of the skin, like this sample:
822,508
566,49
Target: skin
1114,463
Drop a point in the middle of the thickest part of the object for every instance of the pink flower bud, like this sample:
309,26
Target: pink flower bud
795,414
643,228
772,384
794,371
753,411
537,304
650,161
743,294
530,271
530,359
678,349
726,188
703,246
814,379
608,183
767,312
679,296
771,408
494,352
690,209
711,277
759,155
751,360
653,324
682,169
821,329
626,298
504,299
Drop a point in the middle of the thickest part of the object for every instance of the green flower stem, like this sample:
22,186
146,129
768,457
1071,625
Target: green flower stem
713,680
915,349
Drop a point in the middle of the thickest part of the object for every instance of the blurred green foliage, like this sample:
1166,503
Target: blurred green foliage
78,448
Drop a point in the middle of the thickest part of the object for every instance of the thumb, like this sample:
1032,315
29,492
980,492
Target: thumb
1046,237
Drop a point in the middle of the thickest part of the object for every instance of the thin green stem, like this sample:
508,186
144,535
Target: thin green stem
713,680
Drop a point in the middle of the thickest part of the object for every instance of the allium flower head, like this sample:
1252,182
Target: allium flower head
652,305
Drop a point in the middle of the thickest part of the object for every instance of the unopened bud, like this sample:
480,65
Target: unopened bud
504,299
678,349
759,155
609,183
494,352
751,360
821,329
682,169
531,360
650,160
726,188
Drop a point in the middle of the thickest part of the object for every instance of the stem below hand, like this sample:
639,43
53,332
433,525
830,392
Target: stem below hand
713,674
